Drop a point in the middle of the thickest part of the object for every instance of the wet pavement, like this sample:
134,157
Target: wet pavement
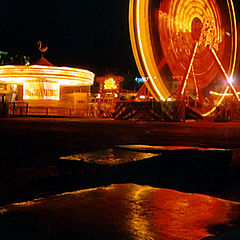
109,157
29,169
123,211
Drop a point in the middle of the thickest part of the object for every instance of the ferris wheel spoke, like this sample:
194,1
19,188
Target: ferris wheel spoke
199,96
161,64
183,85
229,83
195,84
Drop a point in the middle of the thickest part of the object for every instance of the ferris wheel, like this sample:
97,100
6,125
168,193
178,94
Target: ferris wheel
187,49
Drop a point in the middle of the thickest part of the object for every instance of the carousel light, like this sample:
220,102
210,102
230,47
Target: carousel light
43,82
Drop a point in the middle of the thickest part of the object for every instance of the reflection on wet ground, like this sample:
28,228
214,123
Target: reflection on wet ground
29,169
110,156
120,211
188,169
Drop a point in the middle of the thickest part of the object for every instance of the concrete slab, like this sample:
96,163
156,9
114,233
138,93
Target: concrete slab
110,156
122,211
177,167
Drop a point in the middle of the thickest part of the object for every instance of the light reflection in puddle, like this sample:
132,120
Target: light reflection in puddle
168,214
110,156
124,211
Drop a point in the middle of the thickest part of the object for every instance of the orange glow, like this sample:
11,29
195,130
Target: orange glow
110,84
38,90
177,42
43,82
225,74
179,24
175,215
222,94
123,211
189,68
143,52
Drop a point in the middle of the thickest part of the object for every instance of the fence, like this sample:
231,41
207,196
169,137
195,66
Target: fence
17,109
22,109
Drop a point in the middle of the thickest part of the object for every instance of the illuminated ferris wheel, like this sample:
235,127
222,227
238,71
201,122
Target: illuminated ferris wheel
187,49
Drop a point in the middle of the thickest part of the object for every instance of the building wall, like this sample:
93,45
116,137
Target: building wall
73,102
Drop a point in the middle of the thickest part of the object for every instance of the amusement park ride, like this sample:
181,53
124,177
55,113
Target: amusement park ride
188,51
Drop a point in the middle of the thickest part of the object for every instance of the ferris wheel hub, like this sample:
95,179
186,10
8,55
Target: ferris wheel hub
196,28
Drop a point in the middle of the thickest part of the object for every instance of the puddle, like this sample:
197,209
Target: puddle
121,211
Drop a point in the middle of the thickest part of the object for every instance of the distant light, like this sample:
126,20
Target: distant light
169,99
3,53
142,97
228,34
98,96
110,83
142,79
116,95
222,94
230,80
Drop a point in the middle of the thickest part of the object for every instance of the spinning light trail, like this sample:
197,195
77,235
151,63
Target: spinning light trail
43,82
187,41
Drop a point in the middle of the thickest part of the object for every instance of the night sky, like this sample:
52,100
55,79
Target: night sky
89,34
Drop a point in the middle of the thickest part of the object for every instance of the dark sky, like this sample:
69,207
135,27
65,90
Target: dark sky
92,34
81,33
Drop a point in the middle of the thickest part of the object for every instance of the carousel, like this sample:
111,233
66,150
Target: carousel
45,88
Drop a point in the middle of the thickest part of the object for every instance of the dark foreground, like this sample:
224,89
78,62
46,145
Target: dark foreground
30,150
31,147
